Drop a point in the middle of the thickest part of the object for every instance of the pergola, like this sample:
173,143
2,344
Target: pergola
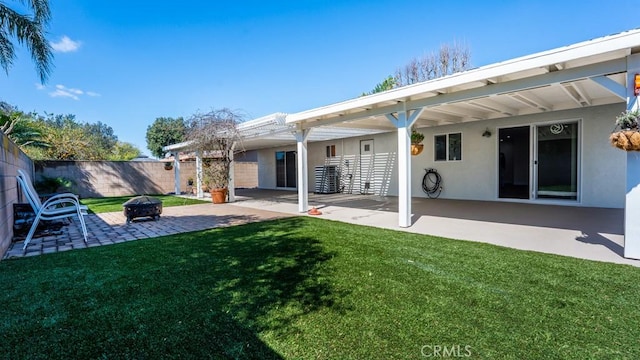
265,132
591,73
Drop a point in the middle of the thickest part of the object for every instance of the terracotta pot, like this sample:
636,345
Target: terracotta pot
219,196
416,149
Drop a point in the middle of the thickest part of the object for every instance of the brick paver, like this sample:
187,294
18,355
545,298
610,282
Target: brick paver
112,228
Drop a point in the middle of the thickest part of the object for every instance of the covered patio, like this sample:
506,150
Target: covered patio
598,72
581,232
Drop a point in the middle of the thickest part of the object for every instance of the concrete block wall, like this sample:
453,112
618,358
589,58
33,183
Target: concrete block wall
115,178
121,178
246,174
11,159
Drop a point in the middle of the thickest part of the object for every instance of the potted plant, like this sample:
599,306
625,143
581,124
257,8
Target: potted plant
216,136
627,137
416,142
215,174
190,188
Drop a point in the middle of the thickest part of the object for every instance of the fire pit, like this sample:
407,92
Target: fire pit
142,206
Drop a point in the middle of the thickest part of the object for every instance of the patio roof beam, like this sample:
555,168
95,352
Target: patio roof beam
610,85
508,88
557,77
571,91
494,107
531,101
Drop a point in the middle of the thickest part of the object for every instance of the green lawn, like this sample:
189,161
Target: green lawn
307,288
112,204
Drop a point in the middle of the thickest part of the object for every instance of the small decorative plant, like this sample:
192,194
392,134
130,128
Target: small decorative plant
628,137
628,120
416,137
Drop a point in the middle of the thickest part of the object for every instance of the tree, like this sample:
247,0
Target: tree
19,127
72,140
165,131
448,60
27,29
387,84
102,134
124,151
216,135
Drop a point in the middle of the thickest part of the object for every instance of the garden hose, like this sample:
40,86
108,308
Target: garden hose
432,183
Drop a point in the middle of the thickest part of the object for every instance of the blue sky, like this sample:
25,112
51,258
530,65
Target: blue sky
125,63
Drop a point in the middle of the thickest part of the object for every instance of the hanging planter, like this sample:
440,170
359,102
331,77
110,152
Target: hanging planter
168,166
416,143
416,149
628,137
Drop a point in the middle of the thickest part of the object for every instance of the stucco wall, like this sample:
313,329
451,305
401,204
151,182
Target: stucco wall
120,178
602,167
11,159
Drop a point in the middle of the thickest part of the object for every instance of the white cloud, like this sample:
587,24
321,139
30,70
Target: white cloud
70,90
66,45
63,91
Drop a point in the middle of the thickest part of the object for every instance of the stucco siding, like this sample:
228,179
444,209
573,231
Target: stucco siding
475,177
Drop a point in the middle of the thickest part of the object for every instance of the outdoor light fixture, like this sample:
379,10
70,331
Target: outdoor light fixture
486,133
636,85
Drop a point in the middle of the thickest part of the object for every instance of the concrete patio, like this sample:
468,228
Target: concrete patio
588,233
581,232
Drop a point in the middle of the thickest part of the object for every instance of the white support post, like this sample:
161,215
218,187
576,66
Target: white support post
632,199
176,171
232,175
403,122
303,178
199,192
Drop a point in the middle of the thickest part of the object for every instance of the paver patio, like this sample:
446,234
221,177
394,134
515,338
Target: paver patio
111,228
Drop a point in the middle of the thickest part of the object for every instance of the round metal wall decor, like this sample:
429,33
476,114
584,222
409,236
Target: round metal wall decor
556,129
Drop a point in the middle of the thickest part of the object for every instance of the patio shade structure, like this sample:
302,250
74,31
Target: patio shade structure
590,73
268,131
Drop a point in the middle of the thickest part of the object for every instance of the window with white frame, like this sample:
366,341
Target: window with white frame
447,147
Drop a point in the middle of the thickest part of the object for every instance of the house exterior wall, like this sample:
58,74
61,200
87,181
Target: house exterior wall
601,167
11,159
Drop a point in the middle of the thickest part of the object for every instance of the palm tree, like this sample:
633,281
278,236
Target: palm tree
28,29
20,128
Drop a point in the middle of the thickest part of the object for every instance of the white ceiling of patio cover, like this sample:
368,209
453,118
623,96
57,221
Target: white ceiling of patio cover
271,131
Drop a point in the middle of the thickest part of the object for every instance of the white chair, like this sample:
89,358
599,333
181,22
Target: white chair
59,206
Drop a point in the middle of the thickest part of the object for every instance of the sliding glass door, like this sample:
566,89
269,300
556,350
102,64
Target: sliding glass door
557,161
548,169
286,169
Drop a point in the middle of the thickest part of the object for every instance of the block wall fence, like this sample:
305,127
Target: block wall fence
121,178
11,159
